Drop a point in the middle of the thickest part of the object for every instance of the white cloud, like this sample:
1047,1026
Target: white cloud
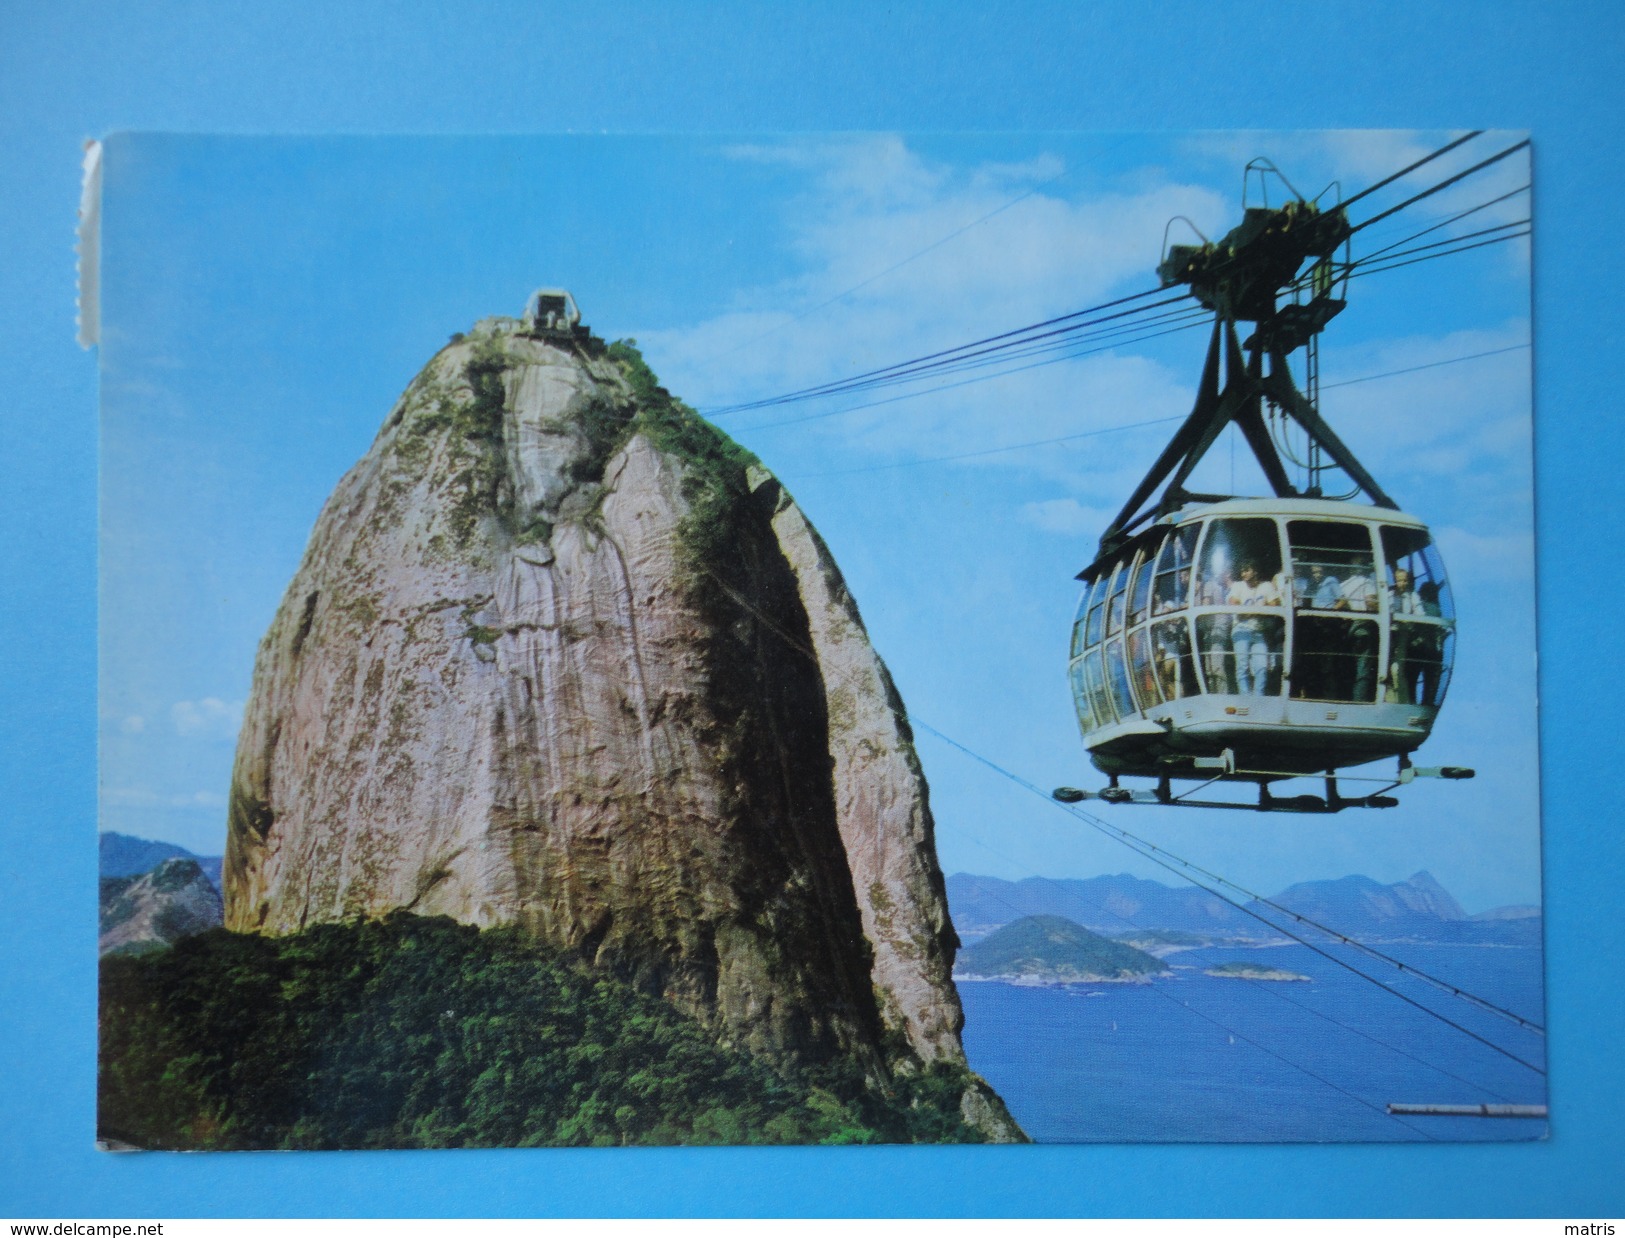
927,256
135,724
872,205
1456,435
1489,564
209,718
1359,158
146,797
1065,516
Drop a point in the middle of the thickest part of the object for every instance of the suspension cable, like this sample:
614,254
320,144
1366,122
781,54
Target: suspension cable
966,382
1451,240
1167,859
1155,854
1263,986
990,348
1444,184
1459,215
1054,342
1388,180
1387,265
808,392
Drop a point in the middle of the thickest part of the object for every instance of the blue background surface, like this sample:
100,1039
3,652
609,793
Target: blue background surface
71,71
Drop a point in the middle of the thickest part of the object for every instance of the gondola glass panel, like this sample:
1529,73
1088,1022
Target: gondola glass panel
1117,679
1420,611
1096,602
1173,580
1334,654
1143,668
1412,551
1256,642
1116,608
1447,659
1217,658
1140,592
1080,697
1176,670
1333,659
1230,548
1416,662
1239,568
1094,683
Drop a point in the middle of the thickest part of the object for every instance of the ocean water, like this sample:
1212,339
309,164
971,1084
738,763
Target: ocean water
1196,1058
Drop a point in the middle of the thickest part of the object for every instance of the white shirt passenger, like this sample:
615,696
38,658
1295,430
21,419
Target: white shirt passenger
1360,592
1259,593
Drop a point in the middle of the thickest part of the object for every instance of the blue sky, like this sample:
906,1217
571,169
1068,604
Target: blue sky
267,299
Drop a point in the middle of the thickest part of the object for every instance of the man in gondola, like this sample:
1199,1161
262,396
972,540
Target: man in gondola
1413,645
1359,593
1430,660
1247,634
1315,641
1321,591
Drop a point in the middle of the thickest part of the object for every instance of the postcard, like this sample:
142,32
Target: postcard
816,639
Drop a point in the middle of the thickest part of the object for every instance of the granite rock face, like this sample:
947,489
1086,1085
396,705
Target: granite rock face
561,655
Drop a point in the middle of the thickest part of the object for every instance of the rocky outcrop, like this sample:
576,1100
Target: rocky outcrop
880,795
157,908
1422,895
561,655
1359,906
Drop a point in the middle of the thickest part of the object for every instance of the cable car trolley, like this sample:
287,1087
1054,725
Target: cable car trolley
1224,639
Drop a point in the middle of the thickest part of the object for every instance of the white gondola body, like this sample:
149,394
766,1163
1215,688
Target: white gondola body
1335,650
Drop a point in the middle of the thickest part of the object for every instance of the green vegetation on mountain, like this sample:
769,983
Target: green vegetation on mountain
1172,939
1252,971
420,1032
715,484
1054,948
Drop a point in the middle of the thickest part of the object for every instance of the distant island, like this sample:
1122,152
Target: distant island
1163,942
1251,971
1054,950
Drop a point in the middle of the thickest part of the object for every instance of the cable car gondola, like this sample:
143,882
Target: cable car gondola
1229,639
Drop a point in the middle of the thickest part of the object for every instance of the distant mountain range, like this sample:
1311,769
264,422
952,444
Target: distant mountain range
122,855
1121,906
1113,905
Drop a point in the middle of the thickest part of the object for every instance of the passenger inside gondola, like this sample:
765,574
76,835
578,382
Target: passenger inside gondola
1334,653
1317,590
1241,647
1248,638
1359,595
1416,649
1176,672
1211,607
1427,658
